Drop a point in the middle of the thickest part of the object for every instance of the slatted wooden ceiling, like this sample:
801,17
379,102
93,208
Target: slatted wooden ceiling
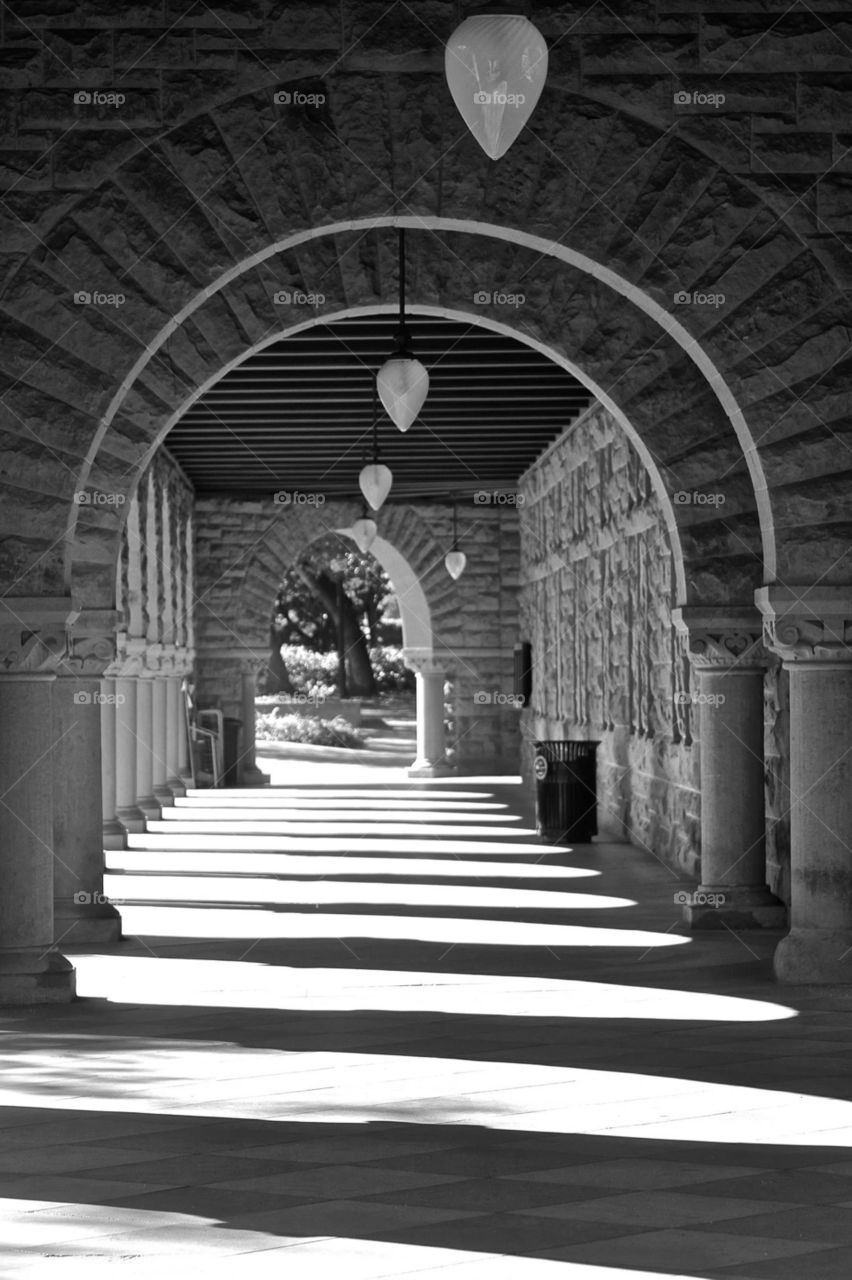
298,415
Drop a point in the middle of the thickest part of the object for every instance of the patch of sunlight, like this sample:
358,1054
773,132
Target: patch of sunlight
240,922
285,795
138,1244
311,842
195,861
256,889
333,827
321,812
147,1076
244,984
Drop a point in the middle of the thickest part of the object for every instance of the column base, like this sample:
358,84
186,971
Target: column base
177,787
84,922
114,835
734,907
149,807
430,769
254,777
164,795
35,976
814,956
131,820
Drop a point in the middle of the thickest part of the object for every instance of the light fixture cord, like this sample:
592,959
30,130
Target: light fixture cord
455,525
402,344
375,421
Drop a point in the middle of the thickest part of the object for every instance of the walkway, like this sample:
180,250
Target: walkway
373,1027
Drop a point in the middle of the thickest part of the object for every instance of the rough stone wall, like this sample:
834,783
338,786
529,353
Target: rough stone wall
163,197
154,580
607,663
244,546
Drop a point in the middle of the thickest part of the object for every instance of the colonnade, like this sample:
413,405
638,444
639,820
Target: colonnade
810,630
93,742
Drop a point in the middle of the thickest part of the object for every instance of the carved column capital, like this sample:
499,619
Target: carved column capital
91,644
425,662
34,633
805,625
723,639
129,656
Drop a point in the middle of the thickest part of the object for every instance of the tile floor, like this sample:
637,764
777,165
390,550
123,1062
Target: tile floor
362,1023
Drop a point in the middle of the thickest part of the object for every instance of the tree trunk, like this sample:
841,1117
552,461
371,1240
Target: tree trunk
279,678
362,682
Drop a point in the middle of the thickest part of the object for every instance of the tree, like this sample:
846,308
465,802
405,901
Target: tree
306,611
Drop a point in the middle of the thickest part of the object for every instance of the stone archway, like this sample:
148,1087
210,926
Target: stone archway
454,632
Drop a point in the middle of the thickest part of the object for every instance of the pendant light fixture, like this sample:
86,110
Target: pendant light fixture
402,381
364,531
455,560
375,479
496,66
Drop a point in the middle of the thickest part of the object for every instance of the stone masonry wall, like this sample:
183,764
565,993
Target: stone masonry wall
607,663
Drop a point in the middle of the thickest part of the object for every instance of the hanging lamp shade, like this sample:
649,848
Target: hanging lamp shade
455,562
403,385
375,481
364,532
496,66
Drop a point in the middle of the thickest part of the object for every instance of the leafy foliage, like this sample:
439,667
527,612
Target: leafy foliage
270,727
316,673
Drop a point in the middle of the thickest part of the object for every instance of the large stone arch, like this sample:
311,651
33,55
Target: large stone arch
741,542
715,398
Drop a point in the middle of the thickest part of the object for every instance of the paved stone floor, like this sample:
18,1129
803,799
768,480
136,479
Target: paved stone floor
366,1024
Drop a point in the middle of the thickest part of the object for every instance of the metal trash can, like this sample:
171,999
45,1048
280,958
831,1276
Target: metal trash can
231,732
566,791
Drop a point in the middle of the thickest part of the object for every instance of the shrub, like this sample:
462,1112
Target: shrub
392,675
338,732
316,673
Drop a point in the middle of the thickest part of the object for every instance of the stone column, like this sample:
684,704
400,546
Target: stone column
82,913
177,757
32,642
128,813
159,663
727,653
113,831
145,798
811,630
250,775
431,761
